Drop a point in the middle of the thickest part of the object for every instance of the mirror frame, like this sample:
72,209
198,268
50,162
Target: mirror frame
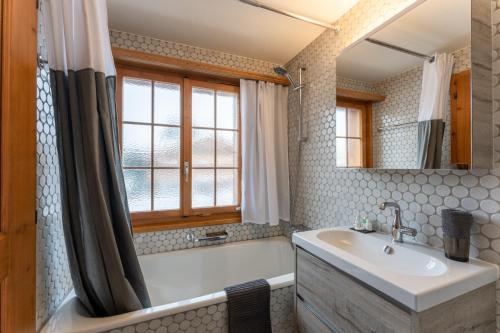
481,81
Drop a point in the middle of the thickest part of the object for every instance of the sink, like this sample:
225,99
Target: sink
401,260
416,276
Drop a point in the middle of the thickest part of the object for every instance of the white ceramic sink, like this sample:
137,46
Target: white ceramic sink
417,276
402,260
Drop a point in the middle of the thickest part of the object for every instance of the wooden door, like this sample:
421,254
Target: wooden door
17,165
460,104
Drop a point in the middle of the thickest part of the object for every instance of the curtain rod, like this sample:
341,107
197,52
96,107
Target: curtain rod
291,14
400,49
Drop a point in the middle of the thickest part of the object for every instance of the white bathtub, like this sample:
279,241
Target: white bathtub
190,279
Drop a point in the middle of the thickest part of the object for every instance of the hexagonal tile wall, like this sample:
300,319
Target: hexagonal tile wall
327,196
53,278
171,240
214,318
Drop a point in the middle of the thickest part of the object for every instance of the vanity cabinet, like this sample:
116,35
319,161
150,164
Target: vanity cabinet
329,300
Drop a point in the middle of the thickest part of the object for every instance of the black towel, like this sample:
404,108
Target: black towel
249,307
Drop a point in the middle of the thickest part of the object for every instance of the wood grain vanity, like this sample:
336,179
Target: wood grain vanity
330,300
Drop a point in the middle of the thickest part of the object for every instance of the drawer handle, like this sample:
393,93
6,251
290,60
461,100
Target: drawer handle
311,309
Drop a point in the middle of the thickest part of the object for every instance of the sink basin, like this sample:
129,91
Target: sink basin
414,275
401,260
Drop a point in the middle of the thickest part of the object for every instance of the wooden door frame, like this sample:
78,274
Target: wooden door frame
18,164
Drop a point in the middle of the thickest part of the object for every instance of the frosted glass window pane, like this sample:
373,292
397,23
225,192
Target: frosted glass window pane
227,187
340,121
340,147
203,148
354,153
137,184
227,110
203,107
227,149
167,103
354,123
166,189
136,145
202,188
167,145
136,100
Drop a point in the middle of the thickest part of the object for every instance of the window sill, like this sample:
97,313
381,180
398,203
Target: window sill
150,224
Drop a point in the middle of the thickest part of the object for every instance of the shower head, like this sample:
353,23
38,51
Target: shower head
283,72
280,71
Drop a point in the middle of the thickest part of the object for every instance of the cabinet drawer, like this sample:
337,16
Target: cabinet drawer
349,306
308,322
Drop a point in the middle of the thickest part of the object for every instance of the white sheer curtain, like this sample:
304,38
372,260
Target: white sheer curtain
435,87
264,133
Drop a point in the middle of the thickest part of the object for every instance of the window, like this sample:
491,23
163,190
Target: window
353,126
180,142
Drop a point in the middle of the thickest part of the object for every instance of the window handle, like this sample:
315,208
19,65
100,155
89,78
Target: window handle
186,171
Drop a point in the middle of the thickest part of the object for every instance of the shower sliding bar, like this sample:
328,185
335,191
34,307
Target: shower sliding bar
389,127
291,14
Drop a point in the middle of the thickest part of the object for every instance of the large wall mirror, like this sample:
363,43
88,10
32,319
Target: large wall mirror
416,94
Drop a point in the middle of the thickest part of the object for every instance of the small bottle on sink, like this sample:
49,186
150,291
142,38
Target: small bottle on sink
368,225
358,223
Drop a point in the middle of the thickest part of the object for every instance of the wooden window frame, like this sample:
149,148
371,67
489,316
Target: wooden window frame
188,86
185,216
366,128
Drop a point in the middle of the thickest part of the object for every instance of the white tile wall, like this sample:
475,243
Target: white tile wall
171,240
327,196
161,47
214,318
53,279
397,146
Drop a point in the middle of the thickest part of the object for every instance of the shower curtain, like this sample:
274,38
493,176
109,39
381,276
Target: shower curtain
433,102
264,134
106,274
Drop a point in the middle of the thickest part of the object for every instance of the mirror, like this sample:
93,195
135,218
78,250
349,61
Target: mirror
404,98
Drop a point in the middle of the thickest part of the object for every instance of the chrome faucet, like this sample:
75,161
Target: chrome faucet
398,230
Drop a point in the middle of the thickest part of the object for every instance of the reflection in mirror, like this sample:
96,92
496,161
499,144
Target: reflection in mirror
403,94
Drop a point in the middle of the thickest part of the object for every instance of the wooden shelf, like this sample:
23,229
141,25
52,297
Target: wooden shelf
360,95
154,61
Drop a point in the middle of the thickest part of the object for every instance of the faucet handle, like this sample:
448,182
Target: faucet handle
386,204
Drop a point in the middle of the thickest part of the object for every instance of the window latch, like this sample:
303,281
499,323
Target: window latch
186,171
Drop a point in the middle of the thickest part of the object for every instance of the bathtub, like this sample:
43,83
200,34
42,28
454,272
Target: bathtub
186,288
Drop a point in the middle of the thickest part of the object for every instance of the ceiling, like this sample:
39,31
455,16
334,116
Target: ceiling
228,25
434,26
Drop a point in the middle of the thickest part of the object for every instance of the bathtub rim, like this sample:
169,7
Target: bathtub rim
70,318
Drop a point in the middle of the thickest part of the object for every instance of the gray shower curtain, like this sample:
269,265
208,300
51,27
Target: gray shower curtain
104,267
430,143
